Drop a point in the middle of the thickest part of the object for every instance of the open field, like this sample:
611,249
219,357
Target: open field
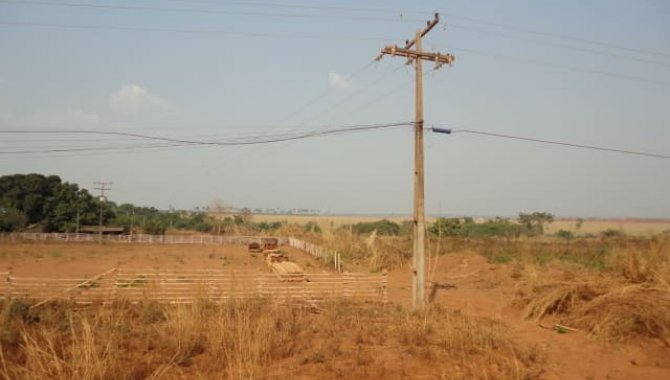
634,227
55,259
493,310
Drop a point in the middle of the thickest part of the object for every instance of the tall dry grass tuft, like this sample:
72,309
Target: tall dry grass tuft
68,349
626,313
481,347
560,298
372,251
650,265
629,300
261,339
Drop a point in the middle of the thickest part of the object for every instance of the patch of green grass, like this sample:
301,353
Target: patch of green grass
542,258
499,256
137,281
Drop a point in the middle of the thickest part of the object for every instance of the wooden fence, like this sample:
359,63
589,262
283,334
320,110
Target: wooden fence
328,256
136,285
141,238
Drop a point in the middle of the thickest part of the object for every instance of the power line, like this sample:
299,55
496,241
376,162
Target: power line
324,93
562,67
327,37
176,142
552,142
516,28
562,46
353,95
190,31
305,6
401,13
205,11
558,35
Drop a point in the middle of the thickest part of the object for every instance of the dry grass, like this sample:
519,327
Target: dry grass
635,227
256,339
630,300
560,298
361,252
626,313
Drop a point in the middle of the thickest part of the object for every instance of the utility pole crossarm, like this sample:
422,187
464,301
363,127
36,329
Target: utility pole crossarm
423,32
439,58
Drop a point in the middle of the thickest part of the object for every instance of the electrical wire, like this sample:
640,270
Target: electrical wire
302,6
324,93
562,46
345,9
559,66
206,11
192,31
175,142
353,95
552,142
558,35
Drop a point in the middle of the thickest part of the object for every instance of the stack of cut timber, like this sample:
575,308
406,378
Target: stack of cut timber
287,270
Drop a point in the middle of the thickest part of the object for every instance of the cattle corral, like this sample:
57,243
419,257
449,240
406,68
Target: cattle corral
174,273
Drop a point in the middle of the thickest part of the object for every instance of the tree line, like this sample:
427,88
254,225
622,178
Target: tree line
35,202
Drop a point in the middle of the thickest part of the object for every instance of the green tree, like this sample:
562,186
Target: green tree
11,219
446,227
48,203
533,224
154,227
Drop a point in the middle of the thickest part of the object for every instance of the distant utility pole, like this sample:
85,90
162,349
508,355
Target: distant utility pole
416,56
102,187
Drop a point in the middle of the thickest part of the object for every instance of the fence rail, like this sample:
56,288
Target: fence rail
142,238
326,255
136,285
329,257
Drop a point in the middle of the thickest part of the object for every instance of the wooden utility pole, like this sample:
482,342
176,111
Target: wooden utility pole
102,187
416,56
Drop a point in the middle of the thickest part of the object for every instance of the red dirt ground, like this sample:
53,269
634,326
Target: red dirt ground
487,290
482,290
55,259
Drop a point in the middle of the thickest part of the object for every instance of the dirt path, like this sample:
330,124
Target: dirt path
487,290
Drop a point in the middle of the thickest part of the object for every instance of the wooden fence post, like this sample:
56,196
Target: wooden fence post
10,284
115,284
211,291
347,282
385,281
163,286
260,284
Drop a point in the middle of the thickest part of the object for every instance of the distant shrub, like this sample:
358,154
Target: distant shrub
154,227
611,233
383,227
312,227
267,227
565,234
468,228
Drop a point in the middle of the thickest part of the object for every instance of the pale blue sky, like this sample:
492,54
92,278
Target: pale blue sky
83,67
